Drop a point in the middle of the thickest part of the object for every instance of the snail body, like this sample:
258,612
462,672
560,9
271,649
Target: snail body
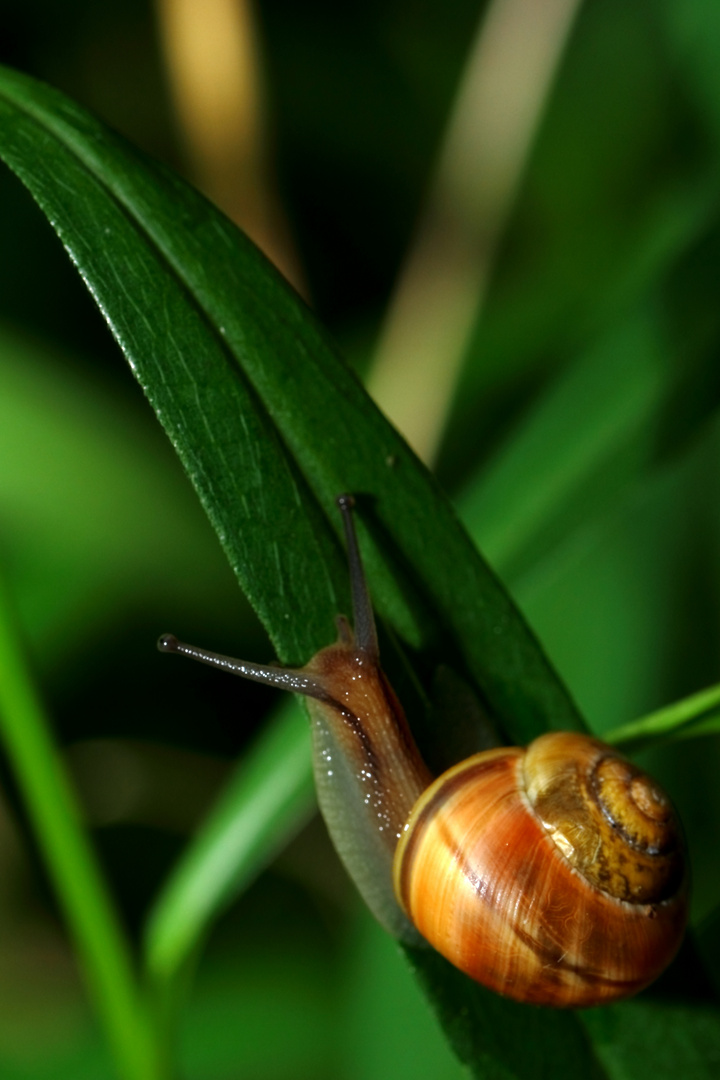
553,874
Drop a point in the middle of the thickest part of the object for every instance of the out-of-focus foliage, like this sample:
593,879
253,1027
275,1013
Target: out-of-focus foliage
582,450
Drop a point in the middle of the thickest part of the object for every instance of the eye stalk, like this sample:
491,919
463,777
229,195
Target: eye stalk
554,874
297,681
363,618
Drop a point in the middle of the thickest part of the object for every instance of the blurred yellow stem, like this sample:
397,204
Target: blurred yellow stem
441,288
212,59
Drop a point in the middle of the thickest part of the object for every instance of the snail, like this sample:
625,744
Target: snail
553,874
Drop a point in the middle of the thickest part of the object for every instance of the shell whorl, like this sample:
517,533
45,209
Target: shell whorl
501,890
612,822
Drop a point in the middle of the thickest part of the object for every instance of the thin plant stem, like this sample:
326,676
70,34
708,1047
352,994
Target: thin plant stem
698,714
102,949
492,128
213,63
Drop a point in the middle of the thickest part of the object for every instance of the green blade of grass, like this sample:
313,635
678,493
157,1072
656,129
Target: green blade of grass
71,864
588,435
270,795
698,714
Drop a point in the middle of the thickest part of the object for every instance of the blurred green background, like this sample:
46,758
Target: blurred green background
582,447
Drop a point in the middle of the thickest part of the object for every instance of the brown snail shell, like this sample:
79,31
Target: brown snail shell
553,875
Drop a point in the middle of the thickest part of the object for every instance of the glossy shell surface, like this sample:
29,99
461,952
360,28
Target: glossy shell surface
553,875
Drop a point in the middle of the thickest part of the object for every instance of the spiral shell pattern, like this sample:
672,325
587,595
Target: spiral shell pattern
553,875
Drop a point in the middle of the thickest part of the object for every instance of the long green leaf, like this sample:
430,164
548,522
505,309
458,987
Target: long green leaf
51,807
698,714
271,426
